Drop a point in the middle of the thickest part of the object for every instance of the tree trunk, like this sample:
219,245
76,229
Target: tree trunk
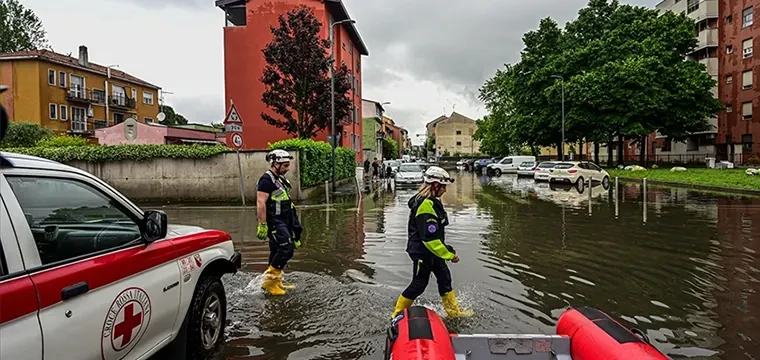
534,150
609,152
642,150
560,150
596,152
580,150
620,159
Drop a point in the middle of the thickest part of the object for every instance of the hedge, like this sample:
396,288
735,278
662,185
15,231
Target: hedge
62,141
24,134
99,153
316,160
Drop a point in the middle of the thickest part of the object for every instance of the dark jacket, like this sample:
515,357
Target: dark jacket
427,223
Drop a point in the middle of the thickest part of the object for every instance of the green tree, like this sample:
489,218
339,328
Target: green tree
390,148
20,28
430,144
172,118
24,134
296,77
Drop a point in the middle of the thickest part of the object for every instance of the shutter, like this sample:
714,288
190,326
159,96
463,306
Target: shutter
747,79
747,110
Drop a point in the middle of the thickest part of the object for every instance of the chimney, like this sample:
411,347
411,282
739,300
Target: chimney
83,57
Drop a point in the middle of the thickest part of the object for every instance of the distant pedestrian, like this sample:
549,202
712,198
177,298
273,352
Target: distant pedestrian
366,168
375,169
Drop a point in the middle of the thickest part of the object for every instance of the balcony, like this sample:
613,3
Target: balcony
707,38
121,101
85,96
711,64
380,135
707,9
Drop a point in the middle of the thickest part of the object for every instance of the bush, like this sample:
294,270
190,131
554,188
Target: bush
97,153
316,160
62,140
24,135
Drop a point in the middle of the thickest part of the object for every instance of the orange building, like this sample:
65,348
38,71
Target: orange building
247,32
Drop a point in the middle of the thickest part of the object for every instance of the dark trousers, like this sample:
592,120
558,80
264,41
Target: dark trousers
422,267
281,245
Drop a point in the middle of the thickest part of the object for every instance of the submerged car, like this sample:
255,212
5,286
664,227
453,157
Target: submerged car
578,172
409,174
543,170
527,168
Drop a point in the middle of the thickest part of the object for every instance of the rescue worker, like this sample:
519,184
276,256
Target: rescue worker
427,244
278,220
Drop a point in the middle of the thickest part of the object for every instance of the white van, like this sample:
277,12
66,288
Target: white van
508,165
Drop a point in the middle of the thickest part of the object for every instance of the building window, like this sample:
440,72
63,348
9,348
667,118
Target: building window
747,80
729,79
148,120
459,132
747,48
78,119
134,93
747,17
118,118
147,98
51,77
351,48
747,143
747,110
729,19
64,112
62,79
729,49
459,143
99,95
53,109
100,124
667,144
729,108
692,6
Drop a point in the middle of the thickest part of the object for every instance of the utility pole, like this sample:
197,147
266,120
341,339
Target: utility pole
562,145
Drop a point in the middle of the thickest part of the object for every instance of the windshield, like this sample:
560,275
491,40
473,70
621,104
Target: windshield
546,165
391,163
564,166
410,168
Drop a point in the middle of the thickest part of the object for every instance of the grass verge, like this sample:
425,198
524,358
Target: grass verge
727,178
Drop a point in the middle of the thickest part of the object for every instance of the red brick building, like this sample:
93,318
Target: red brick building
247,32
739,80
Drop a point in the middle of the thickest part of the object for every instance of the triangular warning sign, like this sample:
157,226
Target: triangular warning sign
233,116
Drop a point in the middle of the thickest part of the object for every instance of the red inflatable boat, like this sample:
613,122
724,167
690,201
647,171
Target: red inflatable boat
582,334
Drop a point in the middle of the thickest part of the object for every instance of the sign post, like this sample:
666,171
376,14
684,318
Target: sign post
233,125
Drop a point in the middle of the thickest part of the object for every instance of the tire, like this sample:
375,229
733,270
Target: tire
497,172
606,182
580,184
200,320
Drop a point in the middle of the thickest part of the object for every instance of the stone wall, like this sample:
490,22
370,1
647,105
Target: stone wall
212,179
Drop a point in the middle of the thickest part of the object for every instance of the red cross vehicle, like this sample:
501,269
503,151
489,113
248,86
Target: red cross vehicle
86,274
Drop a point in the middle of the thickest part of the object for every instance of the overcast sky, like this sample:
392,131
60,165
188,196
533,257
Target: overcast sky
427,57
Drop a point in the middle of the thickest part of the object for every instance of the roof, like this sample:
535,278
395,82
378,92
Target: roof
54,57
377,103
339,13
457,116
437,120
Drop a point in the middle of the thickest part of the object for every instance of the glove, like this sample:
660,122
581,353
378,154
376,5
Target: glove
261,231
297,236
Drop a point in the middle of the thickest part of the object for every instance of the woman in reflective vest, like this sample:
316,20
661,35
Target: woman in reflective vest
426,245
278,220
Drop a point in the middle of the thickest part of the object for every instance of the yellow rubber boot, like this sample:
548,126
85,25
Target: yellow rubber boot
401,304
451,306
272,279
283,286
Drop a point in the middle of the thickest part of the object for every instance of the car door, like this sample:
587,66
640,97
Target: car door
103,293
19,326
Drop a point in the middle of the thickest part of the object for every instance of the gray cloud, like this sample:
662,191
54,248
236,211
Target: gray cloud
160,4
199,109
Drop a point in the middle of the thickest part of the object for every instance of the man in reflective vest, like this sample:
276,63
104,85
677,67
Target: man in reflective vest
278,220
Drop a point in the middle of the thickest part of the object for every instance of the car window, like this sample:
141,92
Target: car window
69,218
526,164
546,165
410,168
563,166
594,167
506,161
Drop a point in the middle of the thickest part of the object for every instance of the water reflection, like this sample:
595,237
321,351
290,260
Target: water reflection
688,277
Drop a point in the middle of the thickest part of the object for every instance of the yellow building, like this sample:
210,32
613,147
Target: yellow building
72,95
453,134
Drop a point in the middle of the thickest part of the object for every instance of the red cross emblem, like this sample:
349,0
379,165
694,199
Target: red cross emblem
125,328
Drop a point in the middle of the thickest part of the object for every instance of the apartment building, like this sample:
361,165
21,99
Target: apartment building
453,134
739,85
73,95
372,130
247,32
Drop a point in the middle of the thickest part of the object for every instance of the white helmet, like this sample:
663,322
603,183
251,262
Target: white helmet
278,156
434,174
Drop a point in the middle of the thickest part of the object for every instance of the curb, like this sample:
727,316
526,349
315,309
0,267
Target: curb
692,186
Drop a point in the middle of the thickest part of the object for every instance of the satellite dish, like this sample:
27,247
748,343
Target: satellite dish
161,116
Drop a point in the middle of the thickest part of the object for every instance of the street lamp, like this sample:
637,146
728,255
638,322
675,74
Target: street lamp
562,146
332,92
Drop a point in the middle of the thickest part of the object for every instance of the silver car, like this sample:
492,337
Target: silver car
409,174
543,170
526,168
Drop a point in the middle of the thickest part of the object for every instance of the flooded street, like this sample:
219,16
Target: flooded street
686,270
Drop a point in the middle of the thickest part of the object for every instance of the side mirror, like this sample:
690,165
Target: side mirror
154,225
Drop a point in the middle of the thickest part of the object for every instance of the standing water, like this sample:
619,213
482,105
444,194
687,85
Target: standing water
685,269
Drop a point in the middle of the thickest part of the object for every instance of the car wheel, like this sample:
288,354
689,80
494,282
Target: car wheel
497,172
606,182
206,318
580,183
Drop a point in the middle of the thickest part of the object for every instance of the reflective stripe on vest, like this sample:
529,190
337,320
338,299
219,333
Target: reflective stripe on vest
279,195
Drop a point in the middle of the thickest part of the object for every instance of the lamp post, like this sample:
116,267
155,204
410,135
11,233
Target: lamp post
562,146
332,92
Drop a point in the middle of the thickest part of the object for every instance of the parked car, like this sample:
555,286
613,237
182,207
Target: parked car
509,164
542,170
578,172
409,174
87,274
527,168
468,164
482,163
461,162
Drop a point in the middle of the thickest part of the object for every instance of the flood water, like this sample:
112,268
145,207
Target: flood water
688,275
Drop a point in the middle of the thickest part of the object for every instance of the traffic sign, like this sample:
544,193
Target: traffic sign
237,140
233,116
233,128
